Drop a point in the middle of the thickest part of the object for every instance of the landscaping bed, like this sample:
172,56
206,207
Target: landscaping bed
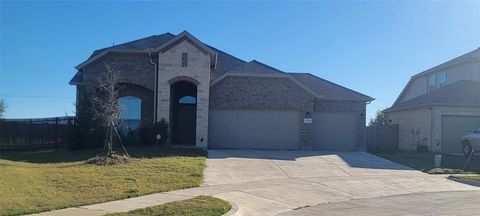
451,164
40,181
198,206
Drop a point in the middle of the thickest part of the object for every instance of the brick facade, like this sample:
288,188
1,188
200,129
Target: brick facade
424,125
414,127
438,112
146,96
187,60
358,107
281,93
136,77
132,68
269,93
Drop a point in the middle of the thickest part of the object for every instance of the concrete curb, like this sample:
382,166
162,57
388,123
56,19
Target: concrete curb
233,210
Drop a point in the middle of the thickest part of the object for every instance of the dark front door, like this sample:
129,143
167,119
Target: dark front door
185,124
183,112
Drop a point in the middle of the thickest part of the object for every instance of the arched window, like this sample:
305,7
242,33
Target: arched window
187,100
130,112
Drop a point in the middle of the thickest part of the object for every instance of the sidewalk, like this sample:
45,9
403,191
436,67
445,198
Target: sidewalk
120,205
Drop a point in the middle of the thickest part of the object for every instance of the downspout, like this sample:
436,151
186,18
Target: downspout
156,86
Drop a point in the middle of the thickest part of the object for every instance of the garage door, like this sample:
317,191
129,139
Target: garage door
334,131
242,129
453,129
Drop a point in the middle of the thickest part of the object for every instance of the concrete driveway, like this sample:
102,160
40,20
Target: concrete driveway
274,182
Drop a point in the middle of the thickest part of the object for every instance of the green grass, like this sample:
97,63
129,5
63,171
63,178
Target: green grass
39,181
424,162
198,206
467,177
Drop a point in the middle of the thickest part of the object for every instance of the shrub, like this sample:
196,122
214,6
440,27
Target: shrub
84,132
162,128
147,135
422,148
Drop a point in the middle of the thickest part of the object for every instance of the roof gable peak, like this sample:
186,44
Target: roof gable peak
185,36
192,40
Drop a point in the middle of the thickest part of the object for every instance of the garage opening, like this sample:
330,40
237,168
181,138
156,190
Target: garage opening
454,127
334,131
183,109
254,129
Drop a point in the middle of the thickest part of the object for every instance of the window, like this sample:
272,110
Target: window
442,79
431,82
187,100
184,59
130,112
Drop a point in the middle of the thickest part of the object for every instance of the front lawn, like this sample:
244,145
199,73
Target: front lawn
467,177
424,162
46,180
198,206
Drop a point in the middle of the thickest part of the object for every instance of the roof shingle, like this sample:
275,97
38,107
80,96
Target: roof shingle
463,92
227,63
328,89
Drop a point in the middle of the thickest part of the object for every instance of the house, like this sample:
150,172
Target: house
440,105
212,99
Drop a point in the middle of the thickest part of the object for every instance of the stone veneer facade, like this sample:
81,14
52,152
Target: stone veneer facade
170,68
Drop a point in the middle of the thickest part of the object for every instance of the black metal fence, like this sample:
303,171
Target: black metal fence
34,133
383,138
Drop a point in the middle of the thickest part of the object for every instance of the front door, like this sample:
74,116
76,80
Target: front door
183,106
185,124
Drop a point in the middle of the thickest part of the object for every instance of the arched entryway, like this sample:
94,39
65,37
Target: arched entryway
183,109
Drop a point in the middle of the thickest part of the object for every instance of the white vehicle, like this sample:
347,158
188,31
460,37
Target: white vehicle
471,142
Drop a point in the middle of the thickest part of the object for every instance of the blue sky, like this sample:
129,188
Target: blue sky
371,47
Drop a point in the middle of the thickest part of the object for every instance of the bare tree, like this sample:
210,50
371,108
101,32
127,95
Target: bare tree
106,109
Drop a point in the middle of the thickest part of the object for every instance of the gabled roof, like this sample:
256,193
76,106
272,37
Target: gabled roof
460,93
77,79
140,44
329,89
225,62
155,43
254,66
467,57
228,65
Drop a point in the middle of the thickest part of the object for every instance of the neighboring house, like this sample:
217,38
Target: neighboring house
214,100
440,105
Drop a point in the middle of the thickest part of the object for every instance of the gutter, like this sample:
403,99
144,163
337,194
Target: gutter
430,104
155,99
